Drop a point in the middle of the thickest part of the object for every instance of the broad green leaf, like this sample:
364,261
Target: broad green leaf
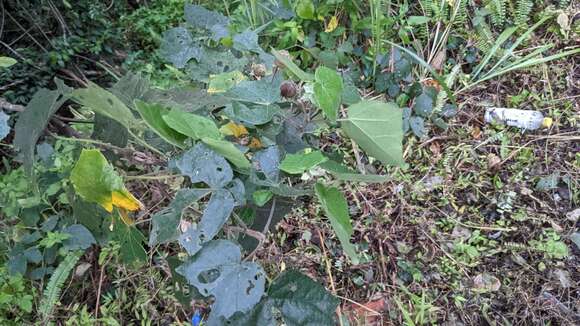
224,81
215,215
185,98
178,47
192,125
228,150
104,102
299,299
131,241
301,162
212,21
287,62
267,161
153,116
109,131
247,41
130,88
336,209
378,128
80,238
265,91
343,173
217,270
165,223
201,164
251,115
215,62
95,180
305,9
327,91
32,121
417,125
4,127
6,62
302,301
350,93
423,105
261,197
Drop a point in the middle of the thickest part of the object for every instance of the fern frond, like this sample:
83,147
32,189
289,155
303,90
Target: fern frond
54,287
563,4
484,38
522,13
498,12
461,16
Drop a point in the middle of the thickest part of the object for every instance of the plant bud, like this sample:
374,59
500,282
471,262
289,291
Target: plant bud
288,89
258,70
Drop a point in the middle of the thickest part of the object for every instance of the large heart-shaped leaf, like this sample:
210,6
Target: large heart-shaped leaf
251,115
301,162
192,125
202,164
214,217
153,116
229,151
328,91
95,180
217,271
165,223
265,91
212,21
378,128
336,209
299,299
178,47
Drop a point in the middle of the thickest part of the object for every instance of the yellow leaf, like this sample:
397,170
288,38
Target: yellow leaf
125,217
234,129
332,24
255,143
125,200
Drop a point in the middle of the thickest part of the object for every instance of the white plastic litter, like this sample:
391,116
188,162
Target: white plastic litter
524,119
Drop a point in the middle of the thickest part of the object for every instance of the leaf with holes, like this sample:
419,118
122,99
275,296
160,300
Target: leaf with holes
95,180
202,164
217,270
192,125
265,91
299,299
212,21
165,223
153,116
336,209
302,162
378,128
178,47
215,215
327,91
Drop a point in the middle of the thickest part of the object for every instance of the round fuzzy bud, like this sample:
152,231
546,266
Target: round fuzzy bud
259,70
288,89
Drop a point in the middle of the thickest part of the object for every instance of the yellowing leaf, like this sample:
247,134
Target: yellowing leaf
234,129
225,81
332,24
95,180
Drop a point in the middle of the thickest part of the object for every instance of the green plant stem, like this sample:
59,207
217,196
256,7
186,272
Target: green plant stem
151,177
144,144
89,141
